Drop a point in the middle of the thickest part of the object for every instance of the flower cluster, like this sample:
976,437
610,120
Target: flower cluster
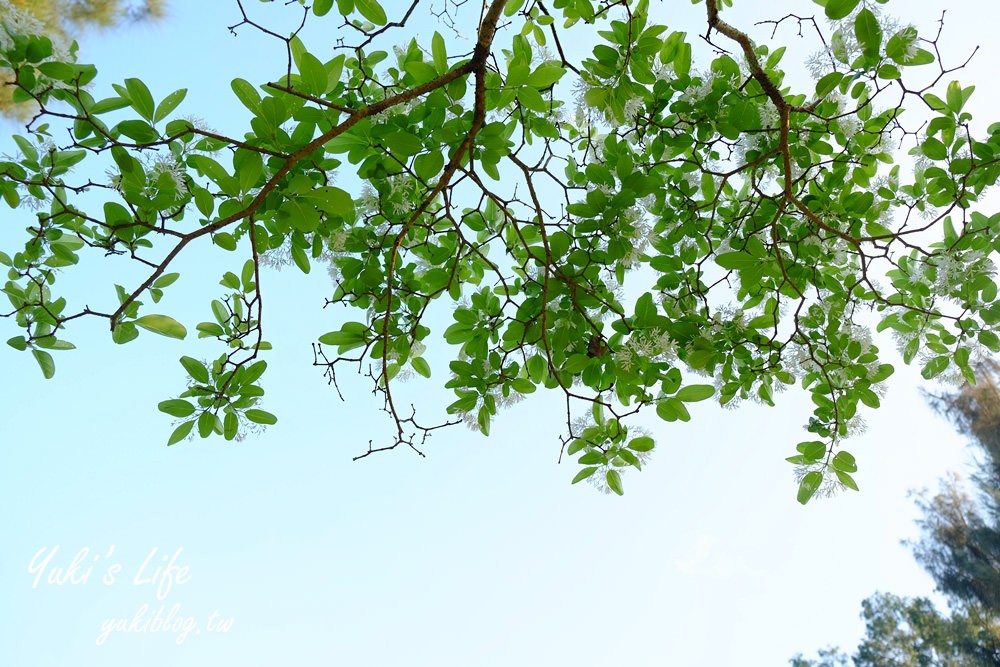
652,346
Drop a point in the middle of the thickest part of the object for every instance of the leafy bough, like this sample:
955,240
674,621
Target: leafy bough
757,225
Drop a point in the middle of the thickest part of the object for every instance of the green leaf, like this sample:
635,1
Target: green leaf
230,280
813,450
300,259
313,73
846,479
737,260
421,366
216,172
511,7
672,409
868,31
576,363
404,143
522,386
163,325
346,337
224,240
180,433
109,104
987,338
428,165
51,343
166,280
230,426
139,131
439,53
249,168
695,392
615,482
177,407
208,329
206,424
124,332
45,362
546,74
27,148
828,84
220,311
371,10
247,275
330,199
169,103
762,322
844,461
261,417
809,485
58,71
140,97
935,366
682,60
195,369
934,149
253,372
584,474
322,7
642,444
838,9
248,95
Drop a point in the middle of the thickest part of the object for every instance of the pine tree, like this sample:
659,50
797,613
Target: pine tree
959,548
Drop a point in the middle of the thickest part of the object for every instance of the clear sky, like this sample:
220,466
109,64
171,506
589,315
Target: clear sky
480,554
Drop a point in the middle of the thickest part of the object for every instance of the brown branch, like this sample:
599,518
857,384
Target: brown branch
476,65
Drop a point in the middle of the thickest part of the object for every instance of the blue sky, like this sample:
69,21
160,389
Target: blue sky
480,554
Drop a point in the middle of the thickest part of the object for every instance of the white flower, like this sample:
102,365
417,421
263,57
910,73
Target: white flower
955,269
911,37
830,486
470,420
168,164
338,240
654,345
17,21
512,398
770,117
639,239
849,125
696,93
663,72
819,63
625,357
632,108
369,199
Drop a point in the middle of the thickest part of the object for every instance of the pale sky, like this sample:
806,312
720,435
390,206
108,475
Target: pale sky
480,554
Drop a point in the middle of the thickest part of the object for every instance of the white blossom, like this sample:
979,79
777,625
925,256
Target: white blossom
338,240
654,345
170,165
17,21
770,117
632,108
830,486
849,125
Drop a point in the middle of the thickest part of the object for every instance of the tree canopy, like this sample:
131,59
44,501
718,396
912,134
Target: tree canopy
653,220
